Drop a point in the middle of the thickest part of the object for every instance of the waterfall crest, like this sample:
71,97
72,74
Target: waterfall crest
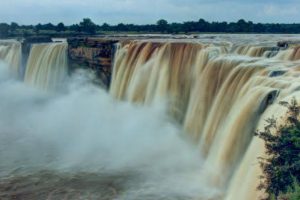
47,65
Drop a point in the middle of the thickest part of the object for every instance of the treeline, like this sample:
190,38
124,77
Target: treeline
87,26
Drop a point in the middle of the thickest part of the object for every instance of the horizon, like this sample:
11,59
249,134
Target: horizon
140,24
141,12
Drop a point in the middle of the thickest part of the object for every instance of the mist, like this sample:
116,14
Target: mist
82,132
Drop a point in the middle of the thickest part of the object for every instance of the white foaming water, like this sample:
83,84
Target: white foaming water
10,53
84,130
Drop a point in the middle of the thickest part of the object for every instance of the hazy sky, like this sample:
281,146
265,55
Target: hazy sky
148,11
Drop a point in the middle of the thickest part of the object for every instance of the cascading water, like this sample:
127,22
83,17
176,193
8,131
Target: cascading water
47,65
145,72
219,99
218,93
10,53
256,51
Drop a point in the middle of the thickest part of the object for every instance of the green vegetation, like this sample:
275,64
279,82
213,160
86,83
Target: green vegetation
88,27
293,192
282,167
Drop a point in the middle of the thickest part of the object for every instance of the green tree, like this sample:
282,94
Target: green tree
88,26
60,27
121,27
37,28
202,25
162,25
4,30
74,27
105,27
242,26
48,26
175,28
13,26
282,167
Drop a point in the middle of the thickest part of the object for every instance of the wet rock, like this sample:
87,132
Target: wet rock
92,53
277,73
268,100
288,43
282,44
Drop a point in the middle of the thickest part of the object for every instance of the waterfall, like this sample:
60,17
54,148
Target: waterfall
256,51
47,65
10,53
219,97
145,72
218,94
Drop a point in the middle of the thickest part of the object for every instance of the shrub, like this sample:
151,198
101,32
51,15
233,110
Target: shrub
282,167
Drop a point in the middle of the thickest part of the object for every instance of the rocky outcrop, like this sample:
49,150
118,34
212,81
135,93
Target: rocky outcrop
92,53
287,43
276,73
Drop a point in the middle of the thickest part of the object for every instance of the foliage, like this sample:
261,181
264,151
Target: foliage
14,26
4,29
282,167
162,25
60,27
293,192
87,26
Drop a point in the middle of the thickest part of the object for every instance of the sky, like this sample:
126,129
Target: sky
148,11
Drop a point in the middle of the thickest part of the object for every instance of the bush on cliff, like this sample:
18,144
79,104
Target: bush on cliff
282,167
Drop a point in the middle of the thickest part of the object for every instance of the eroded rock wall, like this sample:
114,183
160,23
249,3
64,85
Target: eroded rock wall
92,53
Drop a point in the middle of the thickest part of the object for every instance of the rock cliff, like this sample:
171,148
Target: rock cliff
92,53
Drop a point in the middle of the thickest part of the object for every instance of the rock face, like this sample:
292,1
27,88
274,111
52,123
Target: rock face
92,53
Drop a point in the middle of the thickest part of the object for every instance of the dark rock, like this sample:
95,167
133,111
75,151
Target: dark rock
288,43
282,44
276,73
92,53
268,100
